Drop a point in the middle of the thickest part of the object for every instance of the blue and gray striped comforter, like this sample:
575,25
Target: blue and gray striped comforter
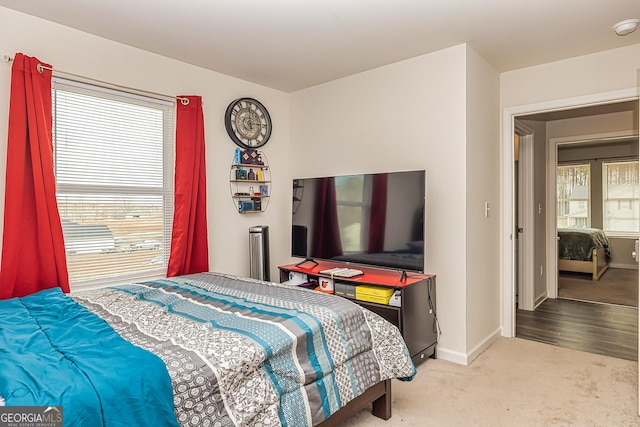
245,352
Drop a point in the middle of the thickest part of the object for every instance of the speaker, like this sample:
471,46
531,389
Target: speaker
299,241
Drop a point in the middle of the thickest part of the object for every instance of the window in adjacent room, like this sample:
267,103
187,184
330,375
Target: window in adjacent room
113,163
620,192
573,196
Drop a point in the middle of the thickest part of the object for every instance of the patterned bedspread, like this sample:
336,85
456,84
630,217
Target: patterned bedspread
578,243
245,352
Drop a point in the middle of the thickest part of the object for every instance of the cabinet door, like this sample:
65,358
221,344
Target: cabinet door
419,330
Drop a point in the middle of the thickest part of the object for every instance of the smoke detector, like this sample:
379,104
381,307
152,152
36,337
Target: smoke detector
625,27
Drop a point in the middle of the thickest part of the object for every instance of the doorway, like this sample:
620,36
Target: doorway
602,140
565,108
599,178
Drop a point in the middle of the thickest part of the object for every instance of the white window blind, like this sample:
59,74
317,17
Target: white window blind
573,196
114,173
620,192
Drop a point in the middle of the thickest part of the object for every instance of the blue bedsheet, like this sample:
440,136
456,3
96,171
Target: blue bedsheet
55,352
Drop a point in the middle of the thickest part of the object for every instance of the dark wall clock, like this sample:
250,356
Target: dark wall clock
248,123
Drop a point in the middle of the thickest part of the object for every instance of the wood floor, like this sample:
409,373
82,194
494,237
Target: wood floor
611,330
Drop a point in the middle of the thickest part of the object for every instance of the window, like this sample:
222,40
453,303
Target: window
113,156
573,196
620,198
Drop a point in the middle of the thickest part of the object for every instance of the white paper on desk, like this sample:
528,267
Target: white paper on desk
296,278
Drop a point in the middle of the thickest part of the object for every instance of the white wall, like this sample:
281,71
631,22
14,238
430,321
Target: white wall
412,115
610,123
482,186
601,72
80,53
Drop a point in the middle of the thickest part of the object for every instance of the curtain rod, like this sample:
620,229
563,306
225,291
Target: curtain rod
41,68
577,161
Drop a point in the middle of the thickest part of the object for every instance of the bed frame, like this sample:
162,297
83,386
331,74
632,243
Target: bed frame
379,396
596,267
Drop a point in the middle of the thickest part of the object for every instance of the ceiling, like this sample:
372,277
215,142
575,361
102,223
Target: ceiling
294,44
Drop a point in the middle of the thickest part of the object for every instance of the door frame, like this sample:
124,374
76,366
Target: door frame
507,248
552,226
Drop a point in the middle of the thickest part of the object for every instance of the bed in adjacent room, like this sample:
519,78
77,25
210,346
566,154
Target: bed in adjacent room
583,250
236,351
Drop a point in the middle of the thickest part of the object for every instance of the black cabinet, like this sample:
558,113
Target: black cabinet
415,316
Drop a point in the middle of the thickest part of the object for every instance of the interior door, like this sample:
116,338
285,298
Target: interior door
525,223
638,278
517,209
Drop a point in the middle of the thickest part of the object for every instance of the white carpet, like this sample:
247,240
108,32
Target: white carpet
517,383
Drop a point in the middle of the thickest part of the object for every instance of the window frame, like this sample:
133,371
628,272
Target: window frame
166,192
605,199
567,201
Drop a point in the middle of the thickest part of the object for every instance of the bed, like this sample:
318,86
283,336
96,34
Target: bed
206,349
583,250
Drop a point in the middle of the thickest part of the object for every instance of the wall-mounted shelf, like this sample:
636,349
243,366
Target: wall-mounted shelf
250,184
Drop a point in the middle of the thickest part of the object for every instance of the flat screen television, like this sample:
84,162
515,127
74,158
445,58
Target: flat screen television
365,219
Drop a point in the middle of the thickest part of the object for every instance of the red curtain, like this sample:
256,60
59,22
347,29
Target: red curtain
33,254
378,217
189,246
326,238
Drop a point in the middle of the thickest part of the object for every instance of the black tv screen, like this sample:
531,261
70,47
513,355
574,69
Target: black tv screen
366,219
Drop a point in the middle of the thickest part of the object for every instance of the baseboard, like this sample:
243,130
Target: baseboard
625,266
465,359
483,345
539,301
451,356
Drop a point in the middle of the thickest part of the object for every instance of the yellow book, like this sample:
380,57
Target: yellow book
378,294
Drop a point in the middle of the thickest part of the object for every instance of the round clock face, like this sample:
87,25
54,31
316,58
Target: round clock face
248,123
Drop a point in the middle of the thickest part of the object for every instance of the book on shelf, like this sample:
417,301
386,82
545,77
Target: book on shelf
342,272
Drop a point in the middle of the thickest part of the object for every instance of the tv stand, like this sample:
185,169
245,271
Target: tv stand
415,316
307,260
